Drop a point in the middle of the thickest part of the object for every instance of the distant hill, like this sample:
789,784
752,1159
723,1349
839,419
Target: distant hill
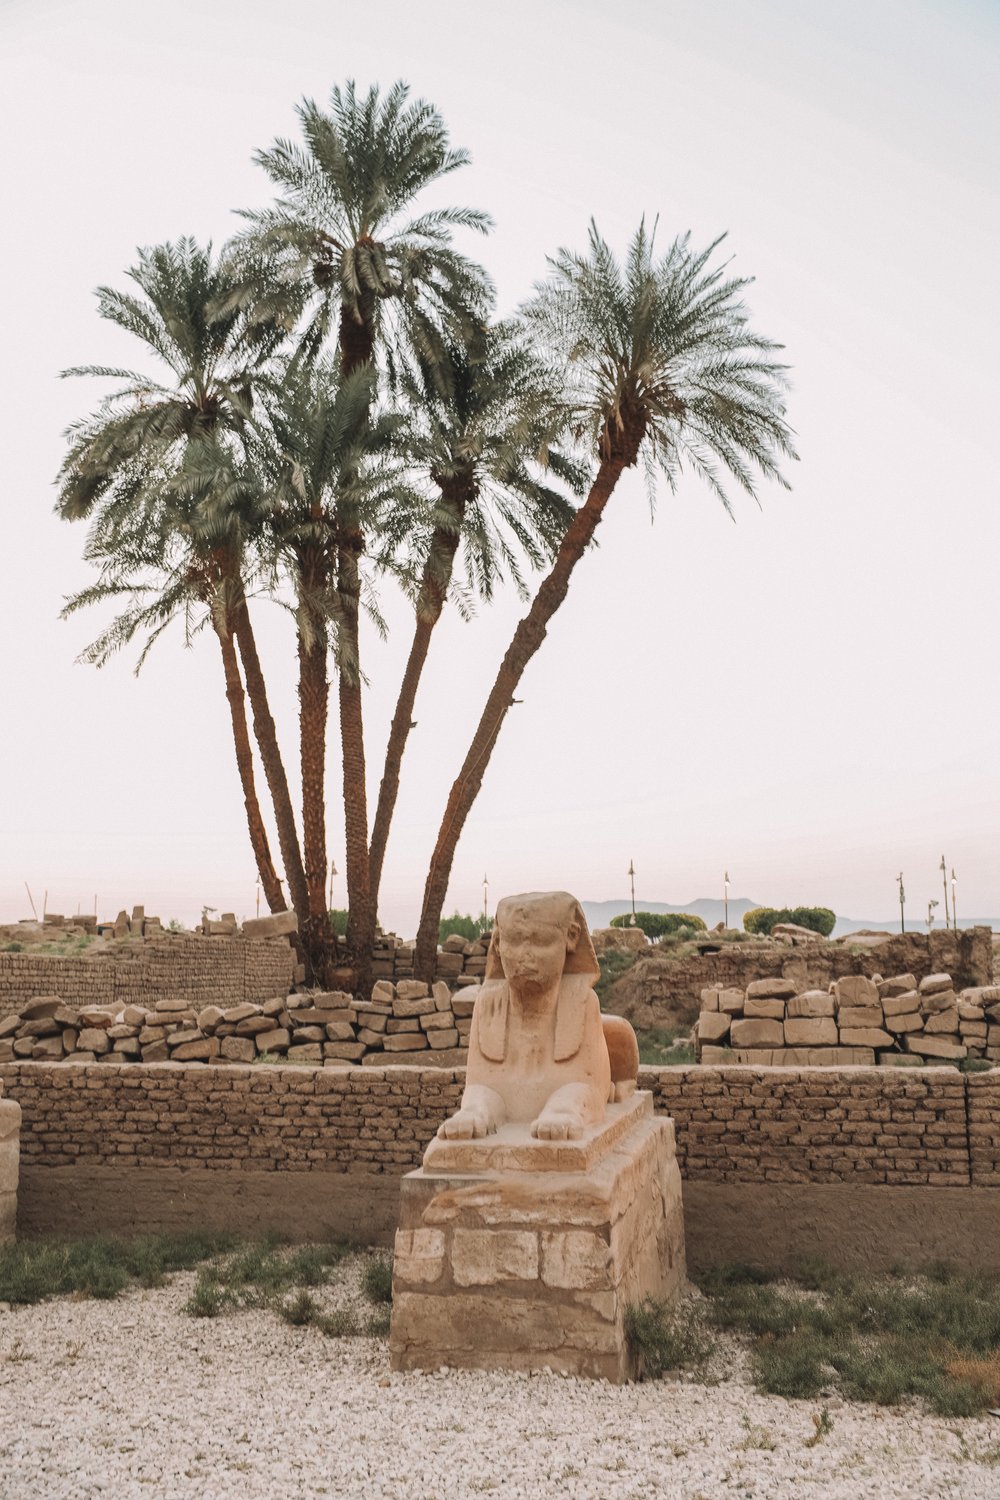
599,913
711,911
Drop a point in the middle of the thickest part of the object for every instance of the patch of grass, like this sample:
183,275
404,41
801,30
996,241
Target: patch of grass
377,1323
376,1280
12,948
301,1310
338,1324
101,1266
823,1426
656,1046
663,1339
879,1339
209,1299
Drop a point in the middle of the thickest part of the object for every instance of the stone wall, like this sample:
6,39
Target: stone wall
661,989
222,971
818,1125
894,1023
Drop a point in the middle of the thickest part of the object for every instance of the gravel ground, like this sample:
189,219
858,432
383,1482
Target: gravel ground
131,1400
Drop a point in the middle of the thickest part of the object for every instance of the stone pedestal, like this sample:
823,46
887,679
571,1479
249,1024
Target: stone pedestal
515,1254
10,1131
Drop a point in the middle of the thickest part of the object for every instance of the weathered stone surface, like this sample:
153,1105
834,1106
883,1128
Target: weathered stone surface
813,1004
934,983
238,1049
902,1004
710,999
407,1008
344,1051
859,1015
855,990
441,994
407,1041
899,984
281,924
485,1257
437,1020
277,1040
865,1036
757,1033
936,1046
419,1255
202,1051
712,1026
942,1021
305,1052
413,989
209,1017
900,1024
41,1008
93,1039
442,1041
731,1002
771,989
816,1031
758,1008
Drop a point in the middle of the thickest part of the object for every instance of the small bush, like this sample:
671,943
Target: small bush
98,1267
209,1299
338,920
301,1311
661,924
657,1046
662,1339
763,919
13,948
376,1280
612,964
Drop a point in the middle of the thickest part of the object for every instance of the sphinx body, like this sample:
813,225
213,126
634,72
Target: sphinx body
540,1051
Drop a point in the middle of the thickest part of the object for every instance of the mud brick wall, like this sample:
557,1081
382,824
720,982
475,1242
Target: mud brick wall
203,971
984,1127
229,1119
660,986
936,1127
820,1125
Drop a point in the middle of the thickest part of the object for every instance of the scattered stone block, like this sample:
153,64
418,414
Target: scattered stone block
934,983
712,1026
770,989
757,1033
811,1031
813,1004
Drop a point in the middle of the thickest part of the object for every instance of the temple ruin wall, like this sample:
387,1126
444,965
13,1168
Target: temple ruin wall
869,1165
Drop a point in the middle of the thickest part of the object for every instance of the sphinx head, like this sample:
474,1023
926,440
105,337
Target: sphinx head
537,938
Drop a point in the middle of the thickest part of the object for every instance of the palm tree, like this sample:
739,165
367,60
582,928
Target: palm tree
486,437
338,499
166,562
132,461
661,366
338,244
336,240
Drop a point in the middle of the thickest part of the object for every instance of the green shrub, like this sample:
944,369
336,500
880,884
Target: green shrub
763,919
301,1311
338,920
662,1338
613,964
13,948
376,1280
466,926
377,1323
660,924
339,1324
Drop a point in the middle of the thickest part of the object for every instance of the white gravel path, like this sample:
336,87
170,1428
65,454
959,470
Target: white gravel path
133,1400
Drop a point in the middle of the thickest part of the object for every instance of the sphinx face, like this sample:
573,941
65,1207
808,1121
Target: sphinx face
533,953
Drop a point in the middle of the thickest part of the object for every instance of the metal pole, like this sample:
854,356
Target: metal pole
954,901
944,881
726,896
631,875
902,900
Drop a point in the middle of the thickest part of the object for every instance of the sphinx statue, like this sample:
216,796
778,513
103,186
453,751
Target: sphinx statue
540,1051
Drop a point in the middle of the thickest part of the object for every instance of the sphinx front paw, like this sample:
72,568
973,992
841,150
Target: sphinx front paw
557,1125
467,1125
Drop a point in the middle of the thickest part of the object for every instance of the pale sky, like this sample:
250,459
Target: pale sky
806,698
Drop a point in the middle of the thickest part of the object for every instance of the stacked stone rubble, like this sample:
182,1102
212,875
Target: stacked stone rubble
857,1021
406,1022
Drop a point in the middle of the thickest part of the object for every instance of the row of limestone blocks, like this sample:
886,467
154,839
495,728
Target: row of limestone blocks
408,1022
460,961
895,1022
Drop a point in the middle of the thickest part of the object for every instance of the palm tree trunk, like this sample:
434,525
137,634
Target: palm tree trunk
527,638
360,930
314,693
244,759
274,768
430,602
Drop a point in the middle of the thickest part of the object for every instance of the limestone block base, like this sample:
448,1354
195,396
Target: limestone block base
10,1134
518,1269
